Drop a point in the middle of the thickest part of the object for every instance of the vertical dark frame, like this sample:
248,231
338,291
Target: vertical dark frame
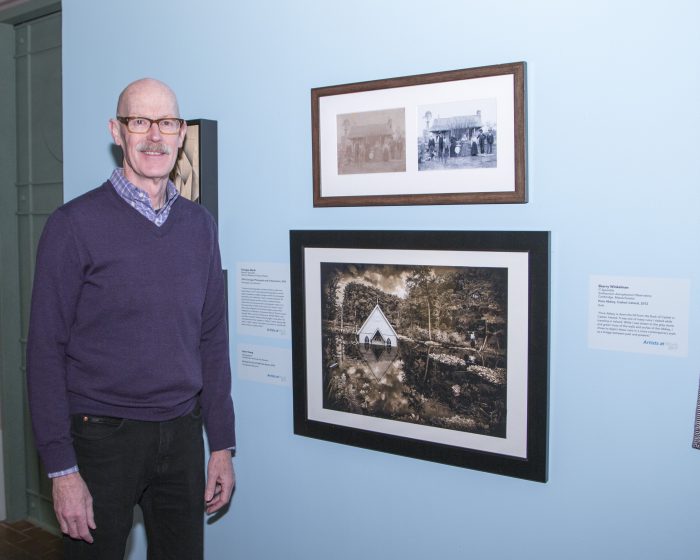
208,172
208,165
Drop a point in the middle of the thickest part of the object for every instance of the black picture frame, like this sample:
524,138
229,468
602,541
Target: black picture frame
508,270
196,170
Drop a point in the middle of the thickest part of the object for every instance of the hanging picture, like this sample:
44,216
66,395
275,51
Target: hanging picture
195,174
425,344
453,137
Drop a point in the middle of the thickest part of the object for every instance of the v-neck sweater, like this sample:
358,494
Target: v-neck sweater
128,320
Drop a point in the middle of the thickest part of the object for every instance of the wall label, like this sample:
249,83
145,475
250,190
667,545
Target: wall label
639,314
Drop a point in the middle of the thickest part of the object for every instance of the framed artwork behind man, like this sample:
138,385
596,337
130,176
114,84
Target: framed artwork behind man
196,170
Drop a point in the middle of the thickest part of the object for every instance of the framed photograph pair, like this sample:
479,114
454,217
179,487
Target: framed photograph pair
430,344
453,137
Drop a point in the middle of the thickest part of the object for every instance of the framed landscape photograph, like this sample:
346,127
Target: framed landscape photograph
195,174
432,345
454,137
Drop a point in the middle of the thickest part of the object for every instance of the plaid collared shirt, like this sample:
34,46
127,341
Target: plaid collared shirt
140,201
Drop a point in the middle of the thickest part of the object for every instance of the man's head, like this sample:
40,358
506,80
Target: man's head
149,156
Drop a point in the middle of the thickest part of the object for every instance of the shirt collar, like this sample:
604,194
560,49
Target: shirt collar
139,200
131,192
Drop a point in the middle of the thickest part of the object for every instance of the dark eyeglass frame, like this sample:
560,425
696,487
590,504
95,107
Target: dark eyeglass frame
126,120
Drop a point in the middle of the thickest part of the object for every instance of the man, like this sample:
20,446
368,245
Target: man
128,349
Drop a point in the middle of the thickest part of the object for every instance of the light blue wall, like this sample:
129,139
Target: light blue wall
613,127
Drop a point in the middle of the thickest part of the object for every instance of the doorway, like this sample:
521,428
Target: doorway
31,187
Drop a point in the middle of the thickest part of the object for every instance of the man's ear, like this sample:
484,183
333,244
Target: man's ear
115,131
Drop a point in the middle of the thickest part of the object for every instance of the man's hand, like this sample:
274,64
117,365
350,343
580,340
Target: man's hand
220,480
72,503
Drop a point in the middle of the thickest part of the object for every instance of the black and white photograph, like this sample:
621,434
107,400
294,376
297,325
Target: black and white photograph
457,135
419,344
372,142
428,344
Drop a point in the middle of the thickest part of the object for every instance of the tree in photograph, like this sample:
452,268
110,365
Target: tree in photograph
330,294
421,284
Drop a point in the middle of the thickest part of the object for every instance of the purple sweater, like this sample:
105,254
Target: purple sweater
128,319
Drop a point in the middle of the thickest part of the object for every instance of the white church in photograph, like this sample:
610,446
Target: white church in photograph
377,330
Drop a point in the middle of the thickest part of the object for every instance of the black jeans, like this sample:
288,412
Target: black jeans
158,465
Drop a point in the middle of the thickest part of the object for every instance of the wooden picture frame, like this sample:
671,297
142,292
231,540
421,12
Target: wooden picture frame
432,344
454,137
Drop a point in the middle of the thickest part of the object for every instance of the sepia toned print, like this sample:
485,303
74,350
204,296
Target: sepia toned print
372,142
419,344
185,174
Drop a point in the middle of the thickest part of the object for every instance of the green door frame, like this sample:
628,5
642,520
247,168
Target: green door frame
12,387
10,359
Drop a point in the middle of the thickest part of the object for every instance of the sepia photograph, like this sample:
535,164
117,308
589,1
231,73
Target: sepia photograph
185,174
372,142
428,344
419,344
457,135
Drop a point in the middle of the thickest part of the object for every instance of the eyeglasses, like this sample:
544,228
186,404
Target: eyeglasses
141,125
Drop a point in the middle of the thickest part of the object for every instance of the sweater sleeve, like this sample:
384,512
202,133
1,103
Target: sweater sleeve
217,405
57,285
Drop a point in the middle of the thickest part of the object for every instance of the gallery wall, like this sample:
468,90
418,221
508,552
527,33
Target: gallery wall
613,115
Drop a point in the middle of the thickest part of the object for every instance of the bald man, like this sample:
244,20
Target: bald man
128,349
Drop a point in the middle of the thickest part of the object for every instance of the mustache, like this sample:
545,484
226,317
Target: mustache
153,147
